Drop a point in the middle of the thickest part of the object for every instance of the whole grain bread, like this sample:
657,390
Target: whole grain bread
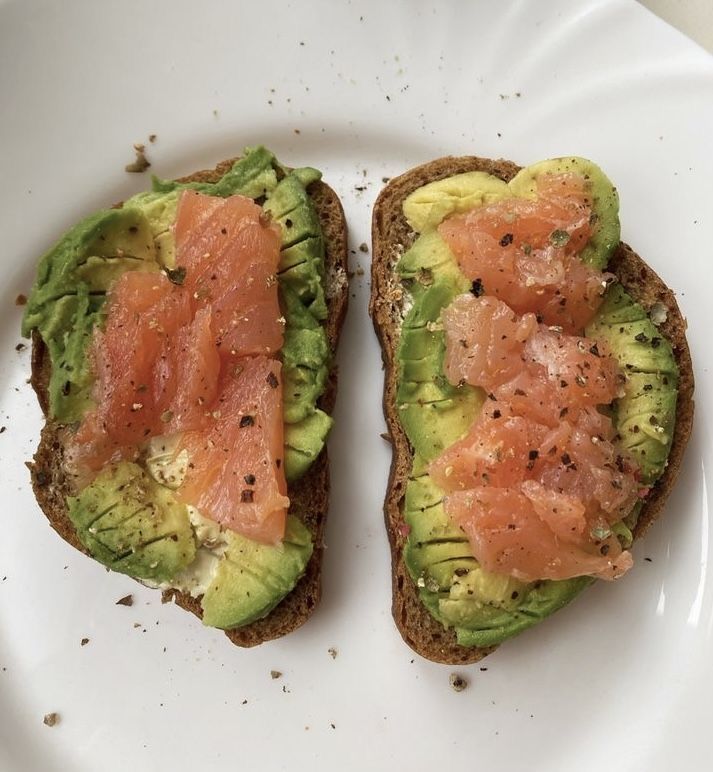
309,496
391,236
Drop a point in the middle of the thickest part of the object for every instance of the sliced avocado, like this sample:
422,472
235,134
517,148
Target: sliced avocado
304,442
291,192
69,292
432,427
70,384
430,204
542,600
100,272
604,202
306,280
433,412
305,358
646,414
109,233
304,251
292,207
252,175
159,209
429,253
132,524
252,578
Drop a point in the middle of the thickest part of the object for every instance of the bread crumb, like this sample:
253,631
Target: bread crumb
127,600
141,163
458,682
21,300
333,652
152,138
51,719
363,247
275,674
84,642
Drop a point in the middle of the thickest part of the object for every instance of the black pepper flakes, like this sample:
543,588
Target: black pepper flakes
176,275
246,420
249,479
477,288
506,240
272,381
247,496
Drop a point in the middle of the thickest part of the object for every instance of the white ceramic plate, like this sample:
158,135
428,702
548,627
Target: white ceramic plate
619,680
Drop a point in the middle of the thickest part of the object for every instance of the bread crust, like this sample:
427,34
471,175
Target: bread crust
391,236
309,496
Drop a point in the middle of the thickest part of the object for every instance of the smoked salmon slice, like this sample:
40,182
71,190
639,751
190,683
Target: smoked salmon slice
230,253
538,482
235,471
533,533
524,252
184,353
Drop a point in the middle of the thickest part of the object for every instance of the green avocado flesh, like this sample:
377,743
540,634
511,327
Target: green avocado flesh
132,524
251,578
66,304
485,608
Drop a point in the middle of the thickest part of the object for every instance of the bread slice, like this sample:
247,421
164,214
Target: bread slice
309,496
391,236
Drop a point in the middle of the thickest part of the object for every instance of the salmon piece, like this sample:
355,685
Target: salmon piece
485,341
235,472
173,359
581,370
488,345
230,253
499,450
524,252
142,361
537,482
580,459
532,533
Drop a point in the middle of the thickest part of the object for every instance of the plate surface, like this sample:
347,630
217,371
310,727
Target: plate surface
620,679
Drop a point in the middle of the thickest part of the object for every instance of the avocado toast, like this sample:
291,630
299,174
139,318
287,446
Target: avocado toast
445,605
254,590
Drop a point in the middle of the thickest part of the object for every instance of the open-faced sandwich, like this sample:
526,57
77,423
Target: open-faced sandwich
183,347
538,392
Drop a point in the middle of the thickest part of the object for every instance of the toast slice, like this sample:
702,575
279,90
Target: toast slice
309,496
391,236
